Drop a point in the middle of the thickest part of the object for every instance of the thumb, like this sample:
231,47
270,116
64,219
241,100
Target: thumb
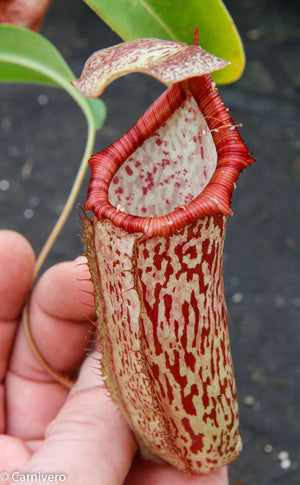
89,441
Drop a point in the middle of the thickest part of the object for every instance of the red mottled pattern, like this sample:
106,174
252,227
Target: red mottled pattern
166,348
111,261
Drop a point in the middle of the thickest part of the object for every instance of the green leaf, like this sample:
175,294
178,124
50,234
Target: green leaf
166,19
26,56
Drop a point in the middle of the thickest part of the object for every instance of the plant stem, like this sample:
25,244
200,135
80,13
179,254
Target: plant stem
70,200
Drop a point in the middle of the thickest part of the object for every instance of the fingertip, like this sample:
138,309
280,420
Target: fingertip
66,291
15,243
16,270
150,473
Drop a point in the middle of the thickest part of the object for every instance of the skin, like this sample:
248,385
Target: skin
45,427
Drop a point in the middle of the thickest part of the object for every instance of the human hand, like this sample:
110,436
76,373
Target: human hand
46,428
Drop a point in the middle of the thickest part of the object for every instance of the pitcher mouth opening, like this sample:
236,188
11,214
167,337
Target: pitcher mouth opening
170,168
178,163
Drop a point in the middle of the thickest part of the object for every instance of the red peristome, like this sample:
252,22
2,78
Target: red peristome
232,158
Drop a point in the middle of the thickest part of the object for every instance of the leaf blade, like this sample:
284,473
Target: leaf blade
26,56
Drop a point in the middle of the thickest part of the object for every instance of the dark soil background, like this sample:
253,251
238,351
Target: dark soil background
42,138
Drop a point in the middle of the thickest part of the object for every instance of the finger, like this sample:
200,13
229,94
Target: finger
89,440
14,455
60,314
149,473
61,310
16,269
65,291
